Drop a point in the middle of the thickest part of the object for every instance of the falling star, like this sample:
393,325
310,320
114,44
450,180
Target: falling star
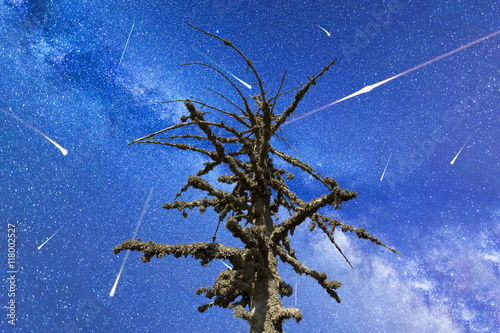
373,86
230,268
453,161
113,290
383,173
225,70
130,34
49,239
241,81
327,33
63,151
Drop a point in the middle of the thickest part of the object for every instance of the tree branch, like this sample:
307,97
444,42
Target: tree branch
300,269
203,251
329,235
360,232
335,198
224,197
298,97
248,112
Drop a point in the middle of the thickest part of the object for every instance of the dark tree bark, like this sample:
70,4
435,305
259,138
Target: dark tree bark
253,287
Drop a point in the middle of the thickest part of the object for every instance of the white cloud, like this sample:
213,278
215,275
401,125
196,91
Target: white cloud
388,296
150,85
448,282
423,284
494,256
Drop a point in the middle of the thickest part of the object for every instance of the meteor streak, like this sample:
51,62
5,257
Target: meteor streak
225,70
241,81
230,268
112,292
63,151
453,161
383,173
327,33
371,87
49,239
130,34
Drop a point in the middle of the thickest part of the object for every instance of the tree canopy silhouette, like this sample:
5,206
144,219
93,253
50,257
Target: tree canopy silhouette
241,143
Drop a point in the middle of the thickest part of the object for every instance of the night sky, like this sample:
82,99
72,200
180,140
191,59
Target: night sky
80,74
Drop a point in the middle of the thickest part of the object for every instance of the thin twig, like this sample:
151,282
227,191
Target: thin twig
248,110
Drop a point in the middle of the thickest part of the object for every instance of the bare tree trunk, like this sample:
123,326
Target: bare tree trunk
265,298
266,301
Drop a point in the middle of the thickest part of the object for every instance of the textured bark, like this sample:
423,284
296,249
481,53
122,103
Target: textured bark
253,287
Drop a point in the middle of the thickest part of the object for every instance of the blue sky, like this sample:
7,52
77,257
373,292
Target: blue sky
61,73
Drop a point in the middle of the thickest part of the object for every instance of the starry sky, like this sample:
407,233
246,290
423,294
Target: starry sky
89,74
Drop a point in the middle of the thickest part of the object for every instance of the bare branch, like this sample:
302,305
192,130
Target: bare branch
300,269
278,93
205,252
248,62
202,204
360,232
224,197
242,233
334,198
287,313
329,234
248,111
181,146
298,97
162,131
295,162
222,139
231,114
296,152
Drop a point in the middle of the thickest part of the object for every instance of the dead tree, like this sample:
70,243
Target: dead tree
241,143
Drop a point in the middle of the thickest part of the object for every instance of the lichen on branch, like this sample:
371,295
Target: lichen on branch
254,193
